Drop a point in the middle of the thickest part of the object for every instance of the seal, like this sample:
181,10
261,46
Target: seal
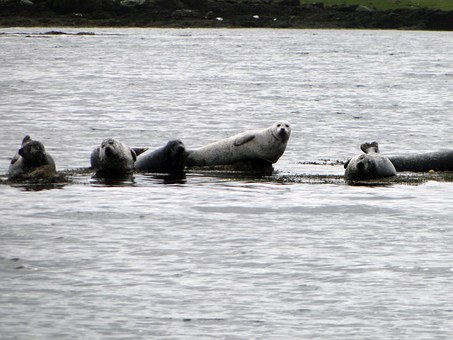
264,146
441,160
370,165
170,158
113,157
31,161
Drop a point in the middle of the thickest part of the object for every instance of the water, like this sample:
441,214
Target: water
217,255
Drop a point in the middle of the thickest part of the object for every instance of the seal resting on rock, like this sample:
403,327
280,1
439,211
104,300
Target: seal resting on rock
370,165
264,146
170,158
113,157
423,162
31,161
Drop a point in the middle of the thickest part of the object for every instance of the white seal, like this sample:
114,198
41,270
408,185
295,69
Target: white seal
370,165
266,145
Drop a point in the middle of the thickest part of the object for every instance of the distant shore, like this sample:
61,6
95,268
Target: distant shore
268,14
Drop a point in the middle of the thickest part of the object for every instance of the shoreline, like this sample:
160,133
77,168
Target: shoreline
15,13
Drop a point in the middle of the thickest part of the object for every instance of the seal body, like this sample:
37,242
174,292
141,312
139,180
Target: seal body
170,158
113,157
369,165
31,158
266,145
423,162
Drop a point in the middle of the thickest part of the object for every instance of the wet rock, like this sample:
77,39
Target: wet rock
184,13
362,8
69,6
132,3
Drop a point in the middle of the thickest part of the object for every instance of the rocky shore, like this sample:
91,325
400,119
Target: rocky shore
215,13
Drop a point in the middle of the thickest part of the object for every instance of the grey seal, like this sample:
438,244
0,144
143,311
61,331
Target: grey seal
265,145
31,161
441,160
113,157
170,158
369,165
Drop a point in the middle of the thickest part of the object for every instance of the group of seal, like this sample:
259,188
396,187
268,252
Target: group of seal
259,147
113,157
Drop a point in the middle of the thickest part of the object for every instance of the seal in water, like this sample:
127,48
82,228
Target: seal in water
423,162
112,157
264,146
370,165
31,158
170,158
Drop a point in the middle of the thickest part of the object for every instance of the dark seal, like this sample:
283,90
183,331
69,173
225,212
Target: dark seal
170,158
113,157
369,165
424,162
31,161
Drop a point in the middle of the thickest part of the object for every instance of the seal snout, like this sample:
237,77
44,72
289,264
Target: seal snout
109,151
109,147
180,149
360,166
282,133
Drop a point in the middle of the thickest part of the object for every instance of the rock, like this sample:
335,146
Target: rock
68,6
184,13
132,3
362,8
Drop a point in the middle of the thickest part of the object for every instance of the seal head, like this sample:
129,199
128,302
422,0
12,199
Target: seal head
31,156
370,165
281,130
113,157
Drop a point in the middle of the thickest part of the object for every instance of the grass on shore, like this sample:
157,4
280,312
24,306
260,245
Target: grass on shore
446,5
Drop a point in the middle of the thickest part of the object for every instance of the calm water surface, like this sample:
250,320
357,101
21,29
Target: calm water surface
217,255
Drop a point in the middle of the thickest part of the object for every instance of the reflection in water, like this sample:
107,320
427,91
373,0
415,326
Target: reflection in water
38,186
113,179
176,178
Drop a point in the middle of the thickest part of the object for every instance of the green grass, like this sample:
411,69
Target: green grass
446,5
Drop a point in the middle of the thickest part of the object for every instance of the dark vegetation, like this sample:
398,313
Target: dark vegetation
217,13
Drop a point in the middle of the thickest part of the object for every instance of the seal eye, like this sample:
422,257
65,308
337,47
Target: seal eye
278,125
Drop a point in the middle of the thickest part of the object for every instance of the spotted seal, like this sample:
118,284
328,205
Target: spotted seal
113,157
31,158
266,145
369,165
170,158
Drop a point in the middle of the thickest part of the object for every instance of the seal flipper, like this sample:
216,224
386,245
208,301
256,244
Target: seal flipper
367,147
26,140
347,163
245,138
15,158
139,151
134,155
